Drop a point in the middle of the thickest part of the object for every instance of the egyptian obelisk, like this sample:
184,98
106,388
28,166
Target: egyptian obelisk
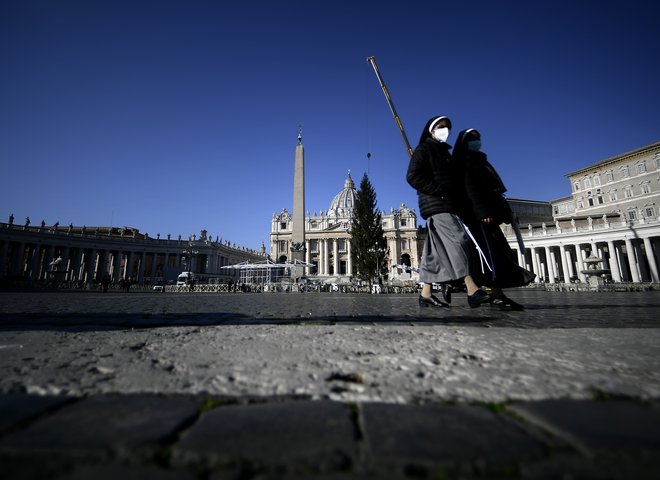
298,234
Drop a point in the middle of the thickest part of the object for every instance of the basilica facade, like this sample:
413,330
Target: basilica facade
328,239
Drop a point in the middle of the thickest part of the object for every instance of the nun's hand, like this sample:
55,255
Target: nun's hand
487,220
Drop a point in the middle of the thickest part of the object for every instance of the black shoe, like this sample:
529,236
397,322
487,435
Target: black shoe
431,301
505,303
445,291
477,298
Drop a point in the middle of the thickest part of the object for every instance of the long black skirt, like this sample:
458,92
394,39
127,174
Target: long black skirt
505,271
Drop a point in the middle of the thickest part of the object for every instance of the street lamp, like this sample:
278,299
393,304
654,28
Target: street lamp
188,255
378,251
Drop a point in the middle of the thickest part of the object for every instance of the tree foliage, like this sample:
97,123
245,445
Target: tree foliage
368,244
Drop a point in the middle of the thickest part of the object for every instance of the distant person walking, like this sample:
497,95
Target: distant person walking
448,254
486,210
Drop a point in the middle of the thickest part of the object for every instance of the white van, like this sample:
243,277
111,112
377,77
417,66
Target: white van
184,278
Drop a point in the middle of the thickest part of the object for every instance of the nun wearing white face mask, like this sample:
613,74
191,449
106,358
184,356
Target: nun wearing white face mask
449,255
486,210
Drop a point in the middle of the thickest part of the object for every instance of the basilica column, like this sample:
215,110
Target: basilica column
613,263
326,257
335,260
632,261
521,258
650,257
307,252
349,264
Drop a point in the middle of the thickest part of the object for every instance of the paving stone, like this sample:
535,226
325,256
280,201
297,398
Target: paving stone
593,425
407,434
126,472
313,434
104,422
17,408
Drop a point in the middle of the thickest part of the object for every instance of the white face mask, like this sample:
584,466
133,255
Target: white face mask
441,134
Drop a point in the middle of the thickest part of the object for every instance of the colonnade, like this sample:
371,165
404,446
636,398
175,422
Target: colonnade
630,253
37,255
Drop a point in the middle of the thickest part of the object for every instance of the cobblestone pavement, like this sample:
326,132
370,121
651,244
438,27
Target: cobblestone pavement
215,386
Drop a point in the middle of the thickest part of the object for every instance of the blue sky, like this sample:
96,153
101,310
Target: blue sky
176,116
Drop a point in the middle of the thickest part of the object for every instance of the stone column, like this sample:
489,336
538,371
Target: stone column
564,264
550,265
33,270
335,252
555,267
77,265
650,257
632,261
116,265
67,262
535,264
90,266
103,264
143,261
644,274
579,257
521,258
307,252
128,273
326,257
613,263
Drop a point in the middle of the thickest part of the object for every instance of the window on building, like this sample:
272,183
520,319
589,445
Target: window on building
641,167
404,222
625,172
613,197
657,160
404,244
580,203
587,182
341,244
596,180
609,177
314,246
576,186
646,188
591,201
628,191
282,245
313,225
599,199
385,223
649,211
632,214
282,225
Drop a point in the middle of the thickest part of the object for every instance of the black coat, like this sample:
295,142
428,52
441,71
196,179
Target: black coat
437,179
484,189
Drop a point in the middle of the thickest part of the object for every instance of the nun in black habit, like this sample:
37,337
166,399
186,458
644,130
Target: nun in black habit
486,209
449,255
